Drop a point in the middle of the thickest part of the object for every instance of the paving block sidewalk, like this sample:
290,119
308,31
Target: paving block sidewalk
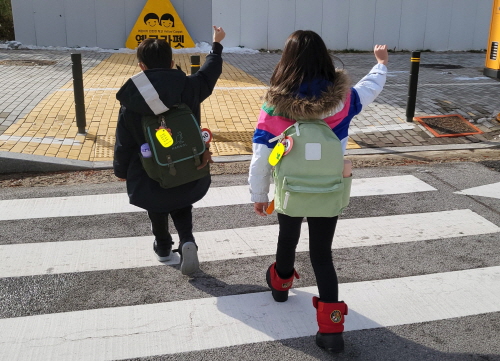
38,115
50,128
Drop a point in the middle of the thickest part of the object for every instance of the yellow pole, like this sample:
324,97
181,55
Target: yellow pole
492,66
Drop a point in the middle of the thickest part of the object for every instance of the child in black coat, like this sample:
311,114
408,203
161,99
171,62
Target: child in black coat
164,86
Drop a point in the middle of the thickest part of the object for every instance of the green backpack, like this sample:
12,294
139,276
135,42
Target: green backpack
308,178
175,164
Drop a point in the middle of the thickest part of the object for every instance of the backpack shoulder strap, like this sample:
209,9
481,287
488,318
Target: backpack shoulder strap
149,93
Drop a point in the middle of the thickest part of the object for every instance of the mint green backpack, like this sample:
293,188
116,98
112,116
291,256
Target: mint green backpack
308,177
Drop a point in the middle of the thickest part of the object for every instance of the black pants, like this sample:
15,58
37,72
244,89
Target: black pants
183,222
321,231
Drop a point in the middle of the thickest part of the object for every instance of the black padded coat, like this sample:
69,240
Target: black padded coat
173,87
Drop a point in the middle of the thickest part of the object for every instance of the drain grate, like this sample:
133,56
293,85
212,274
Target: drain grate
27,62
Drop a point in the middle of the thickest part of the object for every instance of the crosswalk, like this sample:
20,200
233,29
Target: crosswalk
197,318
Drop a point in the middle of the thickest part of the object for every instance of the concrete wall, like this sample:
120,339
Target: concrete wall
265,24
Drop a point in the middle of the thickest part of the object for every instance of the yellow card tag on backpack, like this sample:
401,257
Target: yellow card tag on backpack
164,137
276,154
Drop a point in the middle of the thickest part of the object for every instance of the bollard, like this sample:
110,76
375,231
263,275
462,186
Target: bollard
81,122
412,89
195,63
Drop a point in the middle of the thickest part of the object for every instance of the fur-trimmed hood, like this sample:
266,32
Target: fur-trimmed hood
297,107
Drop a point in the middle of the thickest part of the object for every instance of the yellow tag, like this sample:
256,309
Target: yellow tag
276,154
164,138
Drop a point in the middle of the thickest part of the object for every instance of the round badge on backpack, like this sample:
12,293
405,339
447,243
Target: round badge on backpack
206,134
288,143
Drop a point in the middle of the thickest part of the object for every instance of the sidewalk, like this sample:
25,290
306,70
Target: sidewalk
37,116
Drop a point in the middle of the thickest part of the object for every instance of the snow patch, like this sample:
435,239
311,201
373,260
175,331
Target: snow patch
203,48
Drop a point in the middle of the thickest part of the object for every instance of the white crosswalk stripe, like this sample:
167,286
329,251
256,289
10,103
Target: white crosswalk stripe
197,324
136,331
224,196
81,256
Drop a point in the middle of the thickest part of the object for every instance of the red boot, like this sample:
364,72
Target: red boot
330,316
279,286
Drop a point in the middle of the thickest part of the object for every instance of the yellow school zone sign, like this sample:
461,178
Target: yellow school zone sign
159,20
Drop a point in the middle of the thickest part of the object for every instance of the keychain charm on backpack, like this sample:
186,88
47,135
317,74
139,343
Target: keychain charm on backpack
276,154
163,135
206,134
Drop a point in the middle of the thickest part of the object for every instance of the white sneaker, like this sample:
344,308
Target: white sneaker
189,258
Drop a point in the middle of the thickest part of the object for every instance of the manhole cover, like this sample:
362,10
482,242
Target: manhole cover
441,66
452,125
27,62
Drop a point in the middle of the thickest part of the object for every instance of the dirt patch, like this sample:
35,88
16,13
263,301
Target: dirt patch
28,62
488,157
94,176
452,125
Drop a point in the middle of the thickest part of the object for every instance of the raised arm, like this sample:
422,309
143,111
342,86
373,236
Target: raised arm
372,84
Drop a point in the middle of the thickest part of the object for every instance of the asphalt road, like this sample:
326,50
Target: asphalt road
404,326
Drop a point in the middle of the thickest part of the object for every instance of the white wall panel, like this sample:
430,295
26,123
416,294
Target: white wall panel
197,17
413,20
482,24
343,24
463,15
254,20
281,22
361,25
387,22
309,15
133,9
227,13
110,23
80,23
437,28
179,7
24,21
50,22
335,23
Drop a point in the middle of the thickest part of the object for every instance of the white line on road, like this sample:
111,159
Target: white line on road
488,190
207,323
101,254
222,196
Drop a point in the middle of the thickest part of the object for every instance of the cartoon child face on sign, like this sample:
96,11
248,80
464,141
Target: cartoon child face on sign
151,19
167,21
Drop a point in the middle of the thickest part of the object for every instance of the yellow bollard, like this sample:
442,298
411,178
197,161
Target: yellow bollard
492,67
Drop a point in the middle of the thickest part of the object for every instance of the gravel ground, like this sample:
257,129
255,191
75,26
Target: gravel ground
488,157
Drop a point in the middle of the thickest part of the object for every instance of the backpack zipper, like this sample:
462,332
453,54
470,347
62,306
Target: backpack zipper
285,202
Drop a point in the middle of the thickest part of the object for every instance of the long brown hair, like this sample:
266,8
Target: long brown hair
305,57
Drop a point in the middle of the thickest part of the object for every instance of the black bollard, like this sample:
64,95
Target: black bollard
195,63
412,89
81,122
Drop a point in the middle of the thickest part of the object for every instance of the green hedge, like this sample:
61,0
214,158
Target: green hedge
6,22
